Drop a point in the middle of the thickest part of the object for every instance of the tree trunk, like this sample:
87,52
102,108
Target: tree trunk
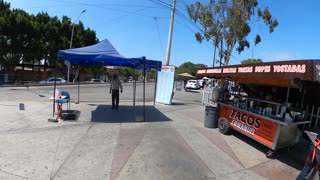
45,64
221,51
214,54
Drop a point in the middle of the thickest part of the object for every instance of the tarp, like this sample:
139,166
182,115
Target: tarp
104,54
186,75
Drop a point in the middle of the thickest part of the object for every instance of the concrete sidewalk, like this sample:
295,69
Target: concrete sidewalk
108,144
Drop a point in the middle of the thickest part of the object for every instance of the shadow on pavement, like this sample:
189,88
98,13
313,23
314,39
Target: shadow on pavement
192,91
127,114
177,103
293,156
70,115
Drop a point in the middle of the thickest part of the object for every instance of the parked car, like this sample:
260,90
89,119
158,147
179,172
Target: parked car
96,80
51,80
192,84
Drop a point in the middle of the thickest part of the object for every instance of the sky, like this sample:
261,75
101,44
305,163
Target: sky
140,28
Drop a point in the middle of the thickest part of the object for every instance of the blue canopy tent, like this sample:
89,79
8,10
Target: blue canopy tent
104,54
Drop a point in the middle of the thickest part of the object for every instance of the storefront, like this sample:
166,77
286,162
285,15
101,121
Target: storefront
272,103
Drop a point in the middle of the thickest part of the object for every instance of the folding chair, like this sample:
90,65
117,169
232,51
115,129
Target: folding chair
66,100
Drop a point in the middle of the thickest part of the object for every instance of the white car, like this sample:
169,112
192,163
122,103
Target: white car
96,81
51,80
192,84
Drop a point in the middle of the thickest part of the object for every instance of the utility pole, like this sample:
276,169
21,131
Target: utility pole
66,62
252,52
170,32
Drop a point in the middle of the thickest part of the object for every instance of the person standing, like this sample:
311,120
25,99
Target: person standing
115,85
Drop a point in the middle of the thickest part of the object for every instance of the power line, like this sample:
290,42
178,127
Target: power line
155,19
184,2
52,6
194,24
104,4
125,15
185,18
206,42
162,4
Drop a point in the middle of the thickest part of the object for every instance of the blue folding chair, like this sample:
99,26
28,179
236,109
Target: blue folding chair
66,100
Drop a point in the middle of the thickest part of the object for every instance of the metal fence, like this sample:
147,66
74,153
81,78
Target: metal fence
207,97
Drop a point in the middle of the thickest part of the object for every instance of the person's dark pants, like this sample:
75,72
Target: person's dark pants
115,98
309,165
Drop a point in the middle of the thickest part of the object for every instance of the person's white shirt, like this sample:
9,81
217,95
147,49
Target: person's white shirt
115,84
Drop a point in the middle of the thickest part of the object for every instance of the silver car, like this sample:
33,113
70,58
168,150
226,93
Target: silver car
51,80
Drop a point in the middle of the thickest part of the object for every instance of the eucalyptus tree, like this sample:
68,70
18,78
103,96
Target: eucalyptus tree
130,72
14,36
251,61
4,32
189,67
228,22
28,38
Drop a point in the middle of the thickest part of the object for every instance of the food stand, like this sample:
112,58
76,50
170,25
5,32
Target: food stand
272,103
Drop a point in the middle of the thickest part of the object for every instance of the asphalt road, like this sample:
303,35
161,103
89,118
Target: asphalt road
96,93
90,92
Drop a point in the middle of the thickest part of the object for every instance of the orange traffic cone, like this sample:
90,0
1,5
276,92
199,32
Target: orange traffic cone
59,113
59,110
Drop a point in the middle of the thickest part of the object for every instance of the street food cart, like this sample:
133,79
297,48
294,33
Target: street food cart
272,103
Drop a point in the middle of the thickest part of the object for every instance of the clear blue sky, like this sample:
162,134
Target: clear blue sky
132,29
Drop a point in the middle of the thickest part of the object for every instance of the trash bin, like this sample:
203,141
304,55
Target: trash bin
211,117
178,86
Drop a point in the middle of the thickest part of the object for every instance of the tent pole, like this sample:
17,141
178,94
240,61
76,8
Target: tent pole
155,88
78,100
134,87
53,119
54,95
288,92
144,88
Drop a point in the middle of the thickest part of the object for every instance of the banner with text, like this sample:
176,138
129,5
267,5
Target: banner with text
164,91
251,125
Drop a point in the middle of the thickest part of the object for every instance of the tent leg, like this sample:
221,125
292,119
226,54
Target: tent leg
54,96
155,88
134,88
53,119
144,88
78,100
